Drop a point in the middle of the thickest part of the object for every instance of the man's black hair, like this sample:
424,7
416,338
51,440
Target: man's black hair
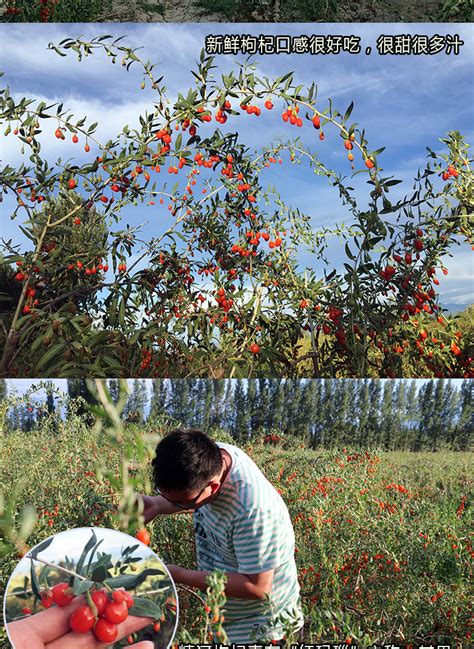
186,459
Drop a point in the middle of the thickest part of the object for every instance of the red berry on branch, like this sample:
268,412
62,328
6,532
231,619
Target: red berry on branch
62,594
143,536
46,600
254,348
82,620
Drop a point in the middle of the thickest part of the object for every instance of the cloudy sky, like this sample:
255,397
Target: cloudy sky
404,103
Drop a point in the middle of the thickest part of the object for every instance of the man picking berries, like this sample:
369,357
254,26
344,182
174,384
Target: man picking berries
242,527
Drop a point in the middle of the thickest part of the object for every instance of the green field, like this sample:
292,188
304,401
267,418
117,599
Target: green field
383,538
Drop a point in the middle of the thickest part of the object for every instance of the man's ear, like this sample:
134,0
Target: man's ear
214,484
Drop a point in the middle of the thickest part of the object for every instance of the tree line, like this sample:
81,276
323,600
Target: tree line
412,415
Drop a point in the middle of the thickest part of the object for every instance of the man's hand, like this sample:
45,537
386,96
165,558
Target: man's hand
176,572
151,507
256,586
154,505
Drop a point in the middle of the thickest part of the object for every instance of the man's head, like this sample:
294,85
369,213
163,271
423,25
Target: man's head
187,468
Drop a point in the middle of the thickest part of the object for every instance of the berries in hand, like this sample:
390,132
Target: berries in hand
100,599
82,620
123,596
105,631
116,612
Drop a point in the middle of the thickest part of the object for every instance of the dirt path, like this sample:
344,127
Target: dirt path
348,11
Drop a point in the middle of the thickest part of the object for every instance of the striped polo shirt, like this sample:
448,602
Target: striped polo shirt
247,529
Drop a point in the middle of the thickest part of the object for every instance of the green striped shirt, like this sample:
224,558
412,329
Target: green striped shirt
247,529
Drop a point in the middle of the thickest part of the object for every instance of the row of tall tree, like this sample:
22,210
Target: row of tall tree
330,413
411,415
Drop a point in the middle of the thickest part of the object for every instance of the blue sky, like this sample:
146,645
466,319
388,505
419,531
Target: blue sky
404,103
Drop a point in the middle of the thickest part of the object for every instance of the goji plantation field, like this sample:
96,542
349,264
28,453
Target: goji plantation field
383,545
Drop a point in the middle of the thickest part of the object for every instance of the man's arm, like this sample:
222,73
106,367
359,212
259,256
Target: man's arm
238,585
155,505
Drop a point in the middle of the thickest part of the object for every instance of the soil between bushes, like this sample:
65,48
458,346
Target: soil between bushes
348,11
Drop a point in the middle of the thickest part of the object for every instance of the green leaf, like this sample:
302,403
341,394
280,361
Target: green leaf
99,574
34,581
40,548
87,548
348,112
130,582
53,353
146,608
80,586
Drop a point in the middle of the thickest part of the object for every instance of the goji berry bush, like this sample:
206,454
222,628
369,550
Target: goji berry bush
383,544
52,10
222,292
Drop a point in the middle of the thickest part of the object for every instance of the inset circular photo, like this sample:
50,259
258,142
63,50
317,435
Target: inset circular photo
88,588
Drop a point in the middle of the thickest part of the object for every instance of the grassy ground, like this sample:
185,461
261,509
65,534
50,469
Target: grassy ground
383,546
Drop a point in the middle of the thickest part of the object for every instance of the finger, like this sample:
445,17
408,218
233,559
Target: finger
88,640
132,624
23,636
50,624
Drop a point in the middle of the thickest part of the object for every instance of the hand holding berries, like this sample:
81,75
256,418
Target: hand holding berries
101,615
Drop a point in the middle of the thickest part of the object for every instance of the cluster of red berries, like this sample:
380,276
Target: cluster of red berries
89,270
251,110
222,300
103,621
146,359
221,116
31,300
451,172
204,115
291,116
